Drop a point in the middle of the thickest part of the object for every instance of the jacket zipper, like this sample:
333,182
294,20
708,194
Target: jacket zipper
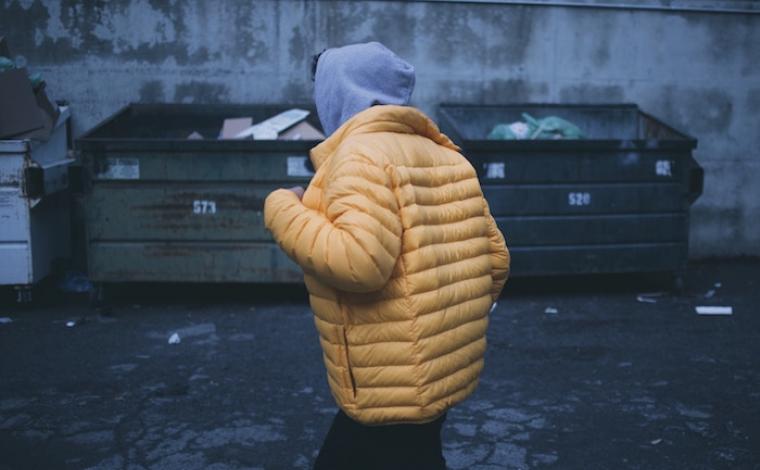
348,363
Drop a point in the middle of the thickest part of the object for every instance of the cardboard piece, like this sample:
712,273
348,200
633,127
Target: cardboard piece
234,126
19,111
302,131
270,129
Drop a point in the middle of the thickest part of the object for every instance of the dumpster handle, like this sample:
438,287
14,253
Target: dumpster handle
34,182
696,181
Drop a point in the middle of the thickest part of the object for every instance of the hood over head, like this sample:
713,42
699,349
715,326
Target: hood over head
352,78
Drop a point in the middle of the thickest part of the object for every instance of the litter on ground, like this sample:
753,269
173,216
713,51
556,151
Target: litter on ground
714,310
174,339
649,297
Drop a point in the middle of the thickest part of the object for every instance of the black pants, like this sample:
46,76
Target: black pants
353,446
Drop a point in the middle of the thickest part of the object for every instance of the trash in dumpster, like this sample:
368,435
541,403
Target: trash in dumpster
515,131
174,339
301,131
714,310
7,64
288,125
234,126
5,320
551,128
26,112
18,108
270,129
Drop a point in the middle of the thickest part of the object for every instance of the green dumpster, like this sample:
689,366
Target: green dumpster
165,208
616,200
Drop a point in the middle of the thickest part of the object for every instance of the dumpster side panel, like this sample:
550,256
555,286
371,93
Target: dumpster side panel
291,167
593,259
179,211
558,199
15,248
191,262
526,231
522,167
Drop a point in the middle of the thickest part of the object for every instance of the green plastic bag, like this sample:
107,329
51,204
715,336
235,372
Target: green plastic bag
548,128
515,131
552,127
7,64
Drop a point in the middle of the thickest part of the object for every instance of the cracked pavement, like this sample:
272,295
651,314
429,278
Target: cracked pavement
606,382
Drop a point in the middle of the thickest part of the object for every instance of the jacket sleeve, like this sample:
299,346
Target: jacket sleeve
355,243
499,255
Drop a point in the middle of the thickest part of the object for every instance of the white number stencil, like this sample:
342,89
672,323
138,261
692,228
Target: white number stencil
201,207
495,170
579,199
663,168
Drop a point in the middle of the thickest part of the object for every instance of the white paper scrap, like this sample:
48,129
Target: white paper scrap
270,129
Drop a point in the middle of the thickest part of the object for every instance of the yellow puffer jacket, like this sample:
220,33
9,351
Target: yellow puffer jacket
402,261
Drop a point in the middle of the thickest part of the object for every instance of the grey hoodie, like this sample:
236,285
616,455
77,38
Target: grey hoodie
353,78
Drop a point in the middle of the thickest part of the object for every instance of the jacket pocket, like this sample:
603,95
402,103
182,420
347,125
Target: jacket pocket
350,372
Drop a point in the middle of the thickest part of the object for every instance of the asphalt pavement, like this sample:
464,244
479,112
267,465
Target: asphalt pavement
580,374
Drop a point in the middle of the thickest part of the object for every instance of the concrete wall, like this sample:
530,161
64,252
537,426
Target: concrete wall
697,71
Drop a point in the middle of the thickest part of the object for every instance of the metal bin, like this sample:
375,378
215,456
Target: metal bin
162,207
34,207
617,201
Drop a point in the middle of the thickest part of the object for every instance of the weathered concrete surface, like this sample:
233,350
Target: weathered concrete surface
607,382
699,72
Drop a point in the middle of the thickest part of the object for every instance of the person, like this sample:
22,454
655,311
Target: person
402,260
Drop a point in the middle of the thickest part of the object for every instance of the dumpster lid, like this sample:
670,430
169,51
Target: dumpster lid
27,145
607,126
